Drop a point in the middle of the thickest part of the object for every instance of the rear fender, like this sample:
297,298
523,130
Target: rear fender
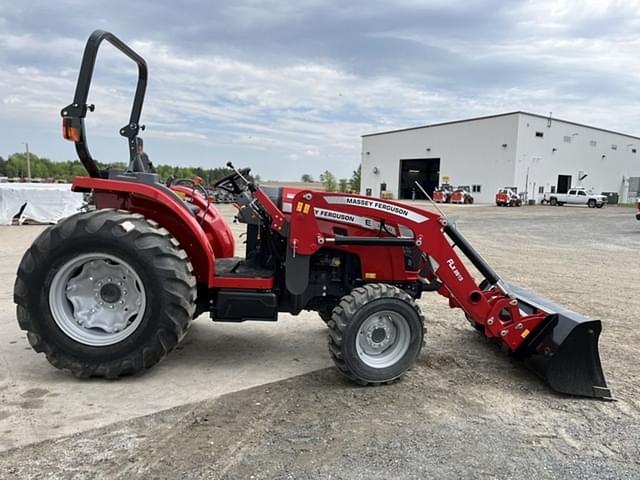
163,207
214,225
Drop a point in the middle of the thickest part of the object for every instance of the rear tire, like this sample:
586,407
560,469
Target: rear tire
553,202
376,334
74,288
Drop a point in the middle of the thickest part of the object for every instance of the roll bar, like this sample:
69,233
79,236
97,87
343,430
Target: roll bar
73,115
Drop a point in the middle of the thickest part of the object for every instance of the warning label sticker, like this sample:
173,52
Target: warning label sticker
378,205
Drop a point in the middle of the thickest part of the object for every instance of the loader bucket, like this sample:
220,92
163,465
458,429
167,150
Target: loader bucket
564,350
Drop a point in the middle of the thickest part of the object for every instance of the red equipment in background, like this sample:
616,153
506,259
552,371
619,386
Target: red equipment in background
442,194
507,197
462,195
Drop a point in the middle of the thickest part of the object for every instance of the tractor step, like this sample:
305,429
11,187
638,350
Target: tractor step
564,350
238,306
239,267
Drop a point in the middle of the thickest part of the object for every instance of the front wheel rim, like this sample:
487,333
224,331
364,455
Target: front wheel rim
97,299
383,339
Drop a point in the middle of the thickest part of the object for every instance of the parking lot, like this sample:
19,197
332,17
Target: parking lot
261,400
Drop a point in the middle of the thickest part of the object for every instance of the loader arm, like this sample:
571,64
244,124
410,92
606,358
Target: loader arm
560,345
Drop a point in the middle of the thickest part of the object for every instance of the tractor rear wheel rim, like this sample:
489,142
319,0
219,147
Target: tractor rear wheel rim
383,339
97,299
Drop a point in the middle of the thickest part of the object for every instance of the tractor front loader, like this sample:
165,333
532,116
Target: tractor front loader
112,290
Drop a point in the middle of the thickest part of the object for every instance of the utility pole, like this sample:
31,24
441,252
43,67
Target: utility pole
28,161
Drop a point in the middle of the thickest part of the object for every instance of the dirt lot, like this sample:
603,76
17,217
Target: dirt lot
465,411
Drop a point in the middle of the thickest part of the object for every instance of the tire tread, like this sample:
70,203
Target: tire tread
173,267
344,312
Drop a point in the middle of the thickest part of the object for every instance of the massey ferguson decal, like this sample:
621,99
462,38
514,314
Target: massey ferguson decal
324,214
378,205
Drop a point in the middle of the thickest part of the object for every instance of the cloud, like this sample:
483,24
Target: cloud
288,87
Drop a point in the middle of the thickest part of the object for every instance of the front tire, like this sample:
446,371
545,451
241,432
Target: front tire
325,314
105,293
591,203
376,334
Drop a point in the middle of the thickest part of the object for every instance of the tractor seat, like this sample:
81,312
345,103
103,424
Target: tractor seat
151,179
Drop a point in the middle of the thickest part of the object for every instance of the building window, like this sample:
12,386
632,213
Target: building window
593,143
539,134
541,189
476,188
614,147
567,139
553,189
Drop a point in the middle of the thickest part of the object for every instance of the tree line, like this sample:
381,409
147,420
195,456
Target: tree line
15,166
333,184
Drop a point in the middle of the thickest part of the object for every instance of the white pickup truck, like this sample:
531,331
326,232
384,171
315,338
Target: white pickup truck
576,196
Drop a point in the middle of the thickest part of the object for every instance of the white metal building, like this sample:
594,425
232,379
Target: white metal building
534,153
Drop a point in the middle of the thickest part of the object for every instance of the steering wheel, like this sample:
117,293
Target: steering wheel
233,183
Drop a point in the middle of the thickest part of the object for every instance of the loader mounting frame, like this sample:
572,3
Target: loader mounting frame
558,344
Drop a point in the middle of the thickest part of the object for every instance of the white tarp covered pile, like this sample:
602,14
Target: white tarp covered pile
45,202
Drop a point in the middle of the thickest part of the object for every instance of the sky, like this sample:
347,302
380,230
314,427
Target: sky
288,87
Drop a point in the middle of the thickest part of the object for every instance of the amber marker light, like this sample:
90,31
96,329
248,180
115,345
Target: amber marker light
68,132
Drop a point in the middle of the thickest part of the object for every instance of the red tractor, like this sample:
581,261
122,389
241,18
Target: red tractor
112,290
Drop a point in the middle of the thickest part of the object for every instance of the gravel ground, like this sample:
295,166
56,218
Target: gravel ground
465,411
